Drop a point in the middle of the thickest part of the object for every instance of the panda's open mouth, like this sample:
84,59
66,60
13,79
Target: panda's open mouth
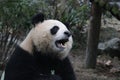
61,43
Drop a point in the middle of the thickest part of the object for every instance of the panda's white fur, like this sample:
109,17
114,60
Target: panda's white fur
41,37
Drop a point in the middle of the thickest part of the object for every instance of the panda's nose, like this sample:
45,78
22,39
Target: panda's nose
67,33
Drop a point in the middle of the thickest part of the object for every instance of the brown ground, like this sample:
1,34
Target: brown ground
104,70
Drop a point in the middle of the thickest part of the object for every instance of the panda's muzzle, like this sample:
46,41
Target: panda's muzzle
61,43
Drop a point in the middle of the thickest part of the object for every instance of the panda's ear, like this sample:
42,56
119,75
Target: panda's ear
67,25
37,18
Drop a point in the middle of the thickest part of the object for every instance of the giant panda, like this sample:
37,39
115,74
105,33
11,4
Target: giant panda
43,54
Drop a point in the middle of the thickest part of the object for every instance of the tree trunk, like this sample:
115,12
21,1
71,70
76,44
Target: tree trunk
93,36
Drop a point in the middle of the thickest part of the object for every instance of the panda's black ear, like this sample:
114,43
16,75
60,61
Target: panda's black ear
37,18
67,25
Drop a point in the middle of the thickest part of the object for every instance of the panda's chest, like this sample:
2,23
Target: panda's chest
47,65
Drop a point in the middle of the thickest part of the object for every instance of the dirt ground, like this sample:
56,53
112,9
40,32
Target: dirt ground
102,71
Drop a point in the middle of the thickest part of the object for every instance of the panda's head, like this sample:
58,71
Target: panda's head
51,37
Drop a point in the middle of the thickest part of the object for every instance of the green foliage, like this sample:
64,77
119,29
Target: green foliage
16,14
115,9
102,3
107,14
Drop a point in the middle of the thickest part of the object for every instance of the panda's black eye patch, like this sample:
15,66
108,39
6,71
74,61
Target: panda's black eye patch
54,30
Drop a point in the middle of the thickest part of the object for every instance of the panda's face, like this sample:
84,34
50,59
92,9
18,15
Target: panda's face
60,37
53,37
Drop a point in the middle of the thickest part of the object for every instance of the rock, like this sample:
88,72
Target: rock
111,47
108,33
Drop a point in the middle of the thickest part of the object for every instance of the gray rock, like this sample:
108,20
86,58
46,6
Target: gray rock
111,47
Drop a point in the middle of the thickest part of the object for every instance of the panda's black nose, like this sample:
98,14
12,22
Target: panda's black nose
67,33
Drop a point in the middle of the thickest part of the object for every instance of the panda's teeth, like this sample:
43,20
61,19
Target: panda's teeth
63,45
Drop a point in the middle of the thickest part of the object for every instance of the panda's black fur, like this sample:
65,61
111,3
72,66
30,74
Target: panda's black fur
54,30
37,18
23,66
